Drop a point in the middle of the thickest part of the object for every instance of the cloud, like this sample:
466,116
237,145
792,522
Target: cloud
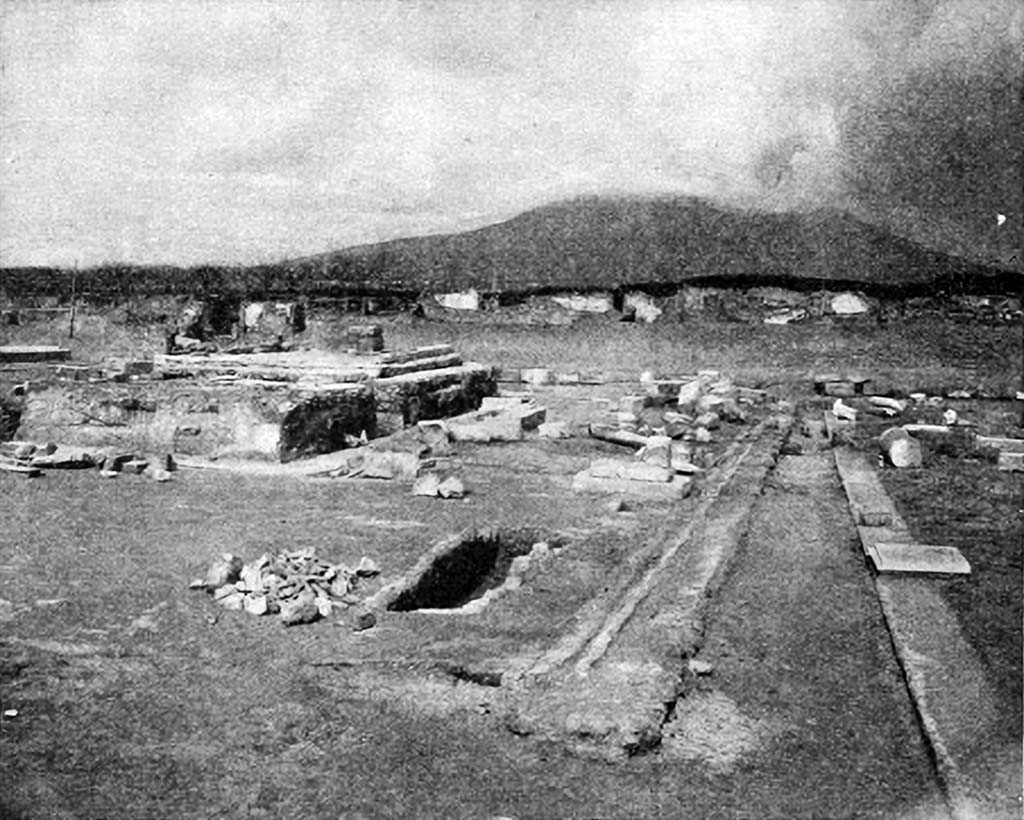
240,131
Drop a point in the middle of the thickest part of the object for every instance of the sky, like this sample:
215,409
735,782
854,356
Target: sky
242,131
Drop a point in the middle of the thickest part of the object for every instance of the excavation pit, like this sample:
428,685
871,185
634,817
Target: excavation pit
463,569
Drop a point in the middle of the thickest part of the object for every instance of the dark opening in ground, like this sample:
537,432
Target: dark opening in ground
474,565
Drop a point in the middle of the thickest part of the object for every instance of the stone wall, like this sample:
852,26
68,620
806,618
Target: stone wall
277,422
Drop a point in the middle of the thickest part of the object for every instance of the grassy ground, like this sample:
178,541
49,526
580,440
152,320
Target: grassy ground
959,498
134,702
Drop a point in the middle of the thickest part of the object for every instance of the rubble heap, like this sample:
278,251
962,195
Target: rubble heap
297,585
662,424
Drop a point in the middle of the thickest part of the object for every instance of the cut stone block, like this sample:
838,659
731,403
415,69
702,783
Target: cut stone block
1004,445
679,487
656,451
841,389
900,448
429,352
918,558
530,416
554,429
537,376
629,470
420,365
451,487
611,434
689,393
837,430
1011,462
632,404
485,428
33,353
489,403
426,485
388,465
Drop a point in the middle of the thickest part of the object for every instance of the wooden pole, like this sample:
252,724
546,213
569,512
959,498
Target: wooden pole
74,299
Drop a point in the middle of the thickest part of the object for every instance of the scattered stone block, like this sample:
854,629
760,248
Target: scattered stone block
387,464
427,485
363,618
135,466
367,568
553,429
843,412
489,403
24,449
900,448
537,376
256,604
1011,462
896,405
160,475
689,393
33,353
679,487
702,435
225,570
299,609
229,597
822,379
709,421
839,389
117,462
699,667
838,431
656,451
918,558
486,428
530,416
632,404
109,473
451,487
1004,445
610,434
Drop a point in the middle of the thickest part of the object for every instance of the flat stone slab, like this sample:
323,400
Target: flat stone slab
919,558
679,487
33,353
1004,445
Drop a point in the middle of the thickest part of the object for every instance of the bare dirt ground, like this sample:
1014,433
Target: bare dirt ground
136,697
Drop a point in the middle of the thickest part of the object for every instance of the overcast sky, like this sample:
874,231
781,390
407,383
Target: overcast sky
185,132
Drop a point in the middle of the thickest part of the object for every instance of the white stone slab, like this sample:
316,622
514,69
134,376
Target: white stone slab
918,558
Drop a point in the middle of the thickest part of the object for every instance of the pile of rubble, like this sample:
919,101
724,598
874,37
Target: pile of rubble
664,423
296,585
30,459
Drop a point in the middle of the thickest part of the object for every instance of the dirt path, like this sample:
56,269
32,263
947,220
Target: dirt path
797,640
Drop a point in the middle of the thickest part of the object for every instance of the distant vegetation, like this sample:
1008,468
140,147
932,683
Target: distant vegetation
584,244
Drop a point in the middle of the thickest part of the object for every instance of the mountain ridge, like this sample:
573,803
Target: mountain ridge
607,242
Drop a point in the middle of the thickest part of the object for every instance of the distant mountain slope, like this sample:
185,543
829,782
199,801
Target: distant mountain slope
601,242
